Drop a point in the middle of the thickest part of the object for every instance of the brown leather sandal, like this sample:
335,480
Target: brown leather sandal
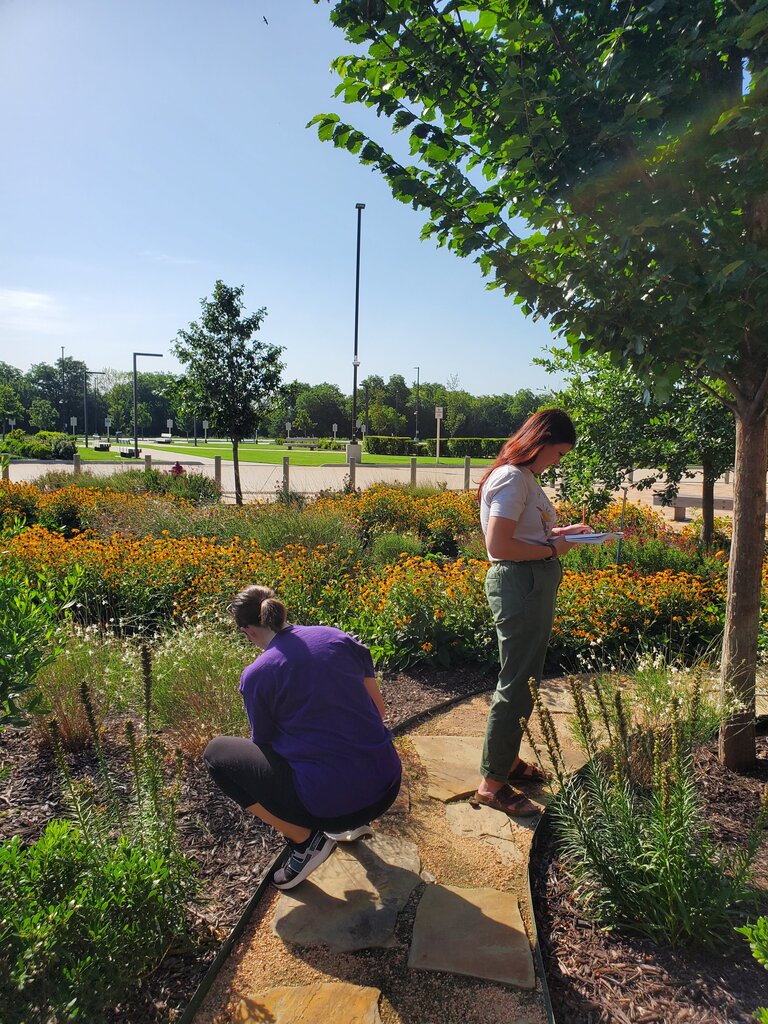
525,772
509,801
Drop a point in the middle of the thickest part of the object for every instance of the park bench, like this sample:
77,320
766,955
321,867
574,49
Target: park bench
683,502
302,442
100,446
164,439
129,453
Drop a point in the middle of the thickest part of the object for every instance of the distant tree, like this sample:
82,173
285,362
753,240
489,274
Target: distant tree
385,421
322,405
10,406
143,418
522,404
227,371
42,415
621,426
303,424
397,393
61,385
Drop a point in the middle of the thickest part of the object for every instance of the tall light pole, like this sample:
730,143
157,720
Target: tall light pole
156,355
61,400
355,361
416,438
86,373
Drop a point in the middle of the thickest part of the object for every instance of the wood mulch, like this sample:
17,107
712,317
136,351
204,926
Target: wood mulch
594,977
599,977
233,849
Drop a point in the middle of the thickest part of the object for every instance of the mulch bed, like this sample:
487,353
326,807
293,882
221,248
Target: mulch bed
233,849
593,976
598,977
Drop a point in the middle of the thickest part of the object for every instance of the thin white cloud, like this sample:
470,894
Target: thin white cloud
28,312
168,260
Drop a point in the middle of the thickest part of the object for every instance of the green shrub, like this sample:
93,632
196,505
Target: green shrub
97,901
62,445
632,833
377,444
81,924
46,444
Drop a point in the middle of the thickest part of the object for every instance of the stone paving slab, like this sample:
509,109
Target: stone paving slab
452,764
510,837
474,932
312,1004
352,900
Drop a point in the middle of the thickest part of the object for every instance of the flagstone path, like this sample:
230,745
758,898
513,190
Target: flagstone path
427,922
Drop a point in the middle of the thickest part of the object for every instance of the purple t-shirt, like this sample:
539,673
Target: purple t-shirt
304,695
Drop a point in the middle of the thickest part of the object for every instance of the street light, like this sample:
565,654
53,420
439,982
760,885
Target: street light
416,438
61,400
355,361
155,355
86,373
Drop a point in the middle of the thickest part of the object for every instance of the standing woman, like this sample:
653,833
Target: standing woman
320,764
524,547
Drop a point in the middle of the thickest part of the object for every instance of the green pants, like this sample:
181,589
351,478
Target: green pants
522,600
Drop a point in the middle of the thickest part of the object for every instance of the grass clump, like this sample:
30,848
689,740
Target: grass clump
99,899
630,826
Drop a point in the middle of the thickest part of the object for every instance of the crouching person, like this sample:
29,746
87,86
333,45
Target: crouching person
320,764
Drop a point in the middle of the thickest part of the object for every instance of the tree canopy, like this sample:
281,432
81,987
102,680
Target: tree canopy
227,372
606,164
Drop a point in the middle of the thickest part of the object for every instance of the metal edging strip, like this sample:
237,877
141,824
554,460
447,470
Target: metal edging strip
226,947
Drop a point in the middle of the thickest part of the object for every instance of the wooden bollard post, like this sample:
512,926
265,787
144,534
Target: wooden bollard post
286,475
217,470
352,465
76,469
414,463
467,461
147,463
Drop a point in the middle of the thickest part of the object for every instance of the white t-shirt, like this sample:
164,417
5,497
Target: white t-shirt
513,492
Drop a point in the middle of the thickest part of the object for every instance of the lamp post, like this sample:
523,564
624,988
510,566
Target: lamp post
416,438
61,400
355,361
155,355
86,373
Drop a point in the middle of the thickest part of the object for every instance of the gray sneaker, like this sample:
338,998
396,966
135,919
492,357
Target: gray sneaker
303,862
362,832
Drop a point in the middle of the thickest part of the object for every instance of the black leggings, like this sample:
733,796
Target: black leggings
253,774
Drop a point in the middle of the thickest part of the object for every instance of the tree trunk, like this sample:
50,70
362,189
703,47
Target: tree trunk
742,617
707,505
236,465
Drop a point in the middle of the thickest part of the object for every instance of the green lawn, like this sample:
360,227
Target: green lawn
273,455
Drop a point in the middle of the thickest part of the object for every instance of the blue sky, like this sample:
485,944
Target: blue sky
151,148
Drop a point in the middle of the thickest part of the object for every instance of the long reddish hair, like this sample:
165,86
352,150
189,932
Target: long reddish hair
547,426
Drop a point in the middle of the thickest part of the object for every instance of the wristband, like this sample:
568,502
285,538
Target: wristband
553,549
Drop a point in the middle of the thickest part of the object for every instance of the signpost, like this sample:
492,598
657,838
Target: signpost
73,424
205,428
438,418
288,428
335,427
107,424
169,424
